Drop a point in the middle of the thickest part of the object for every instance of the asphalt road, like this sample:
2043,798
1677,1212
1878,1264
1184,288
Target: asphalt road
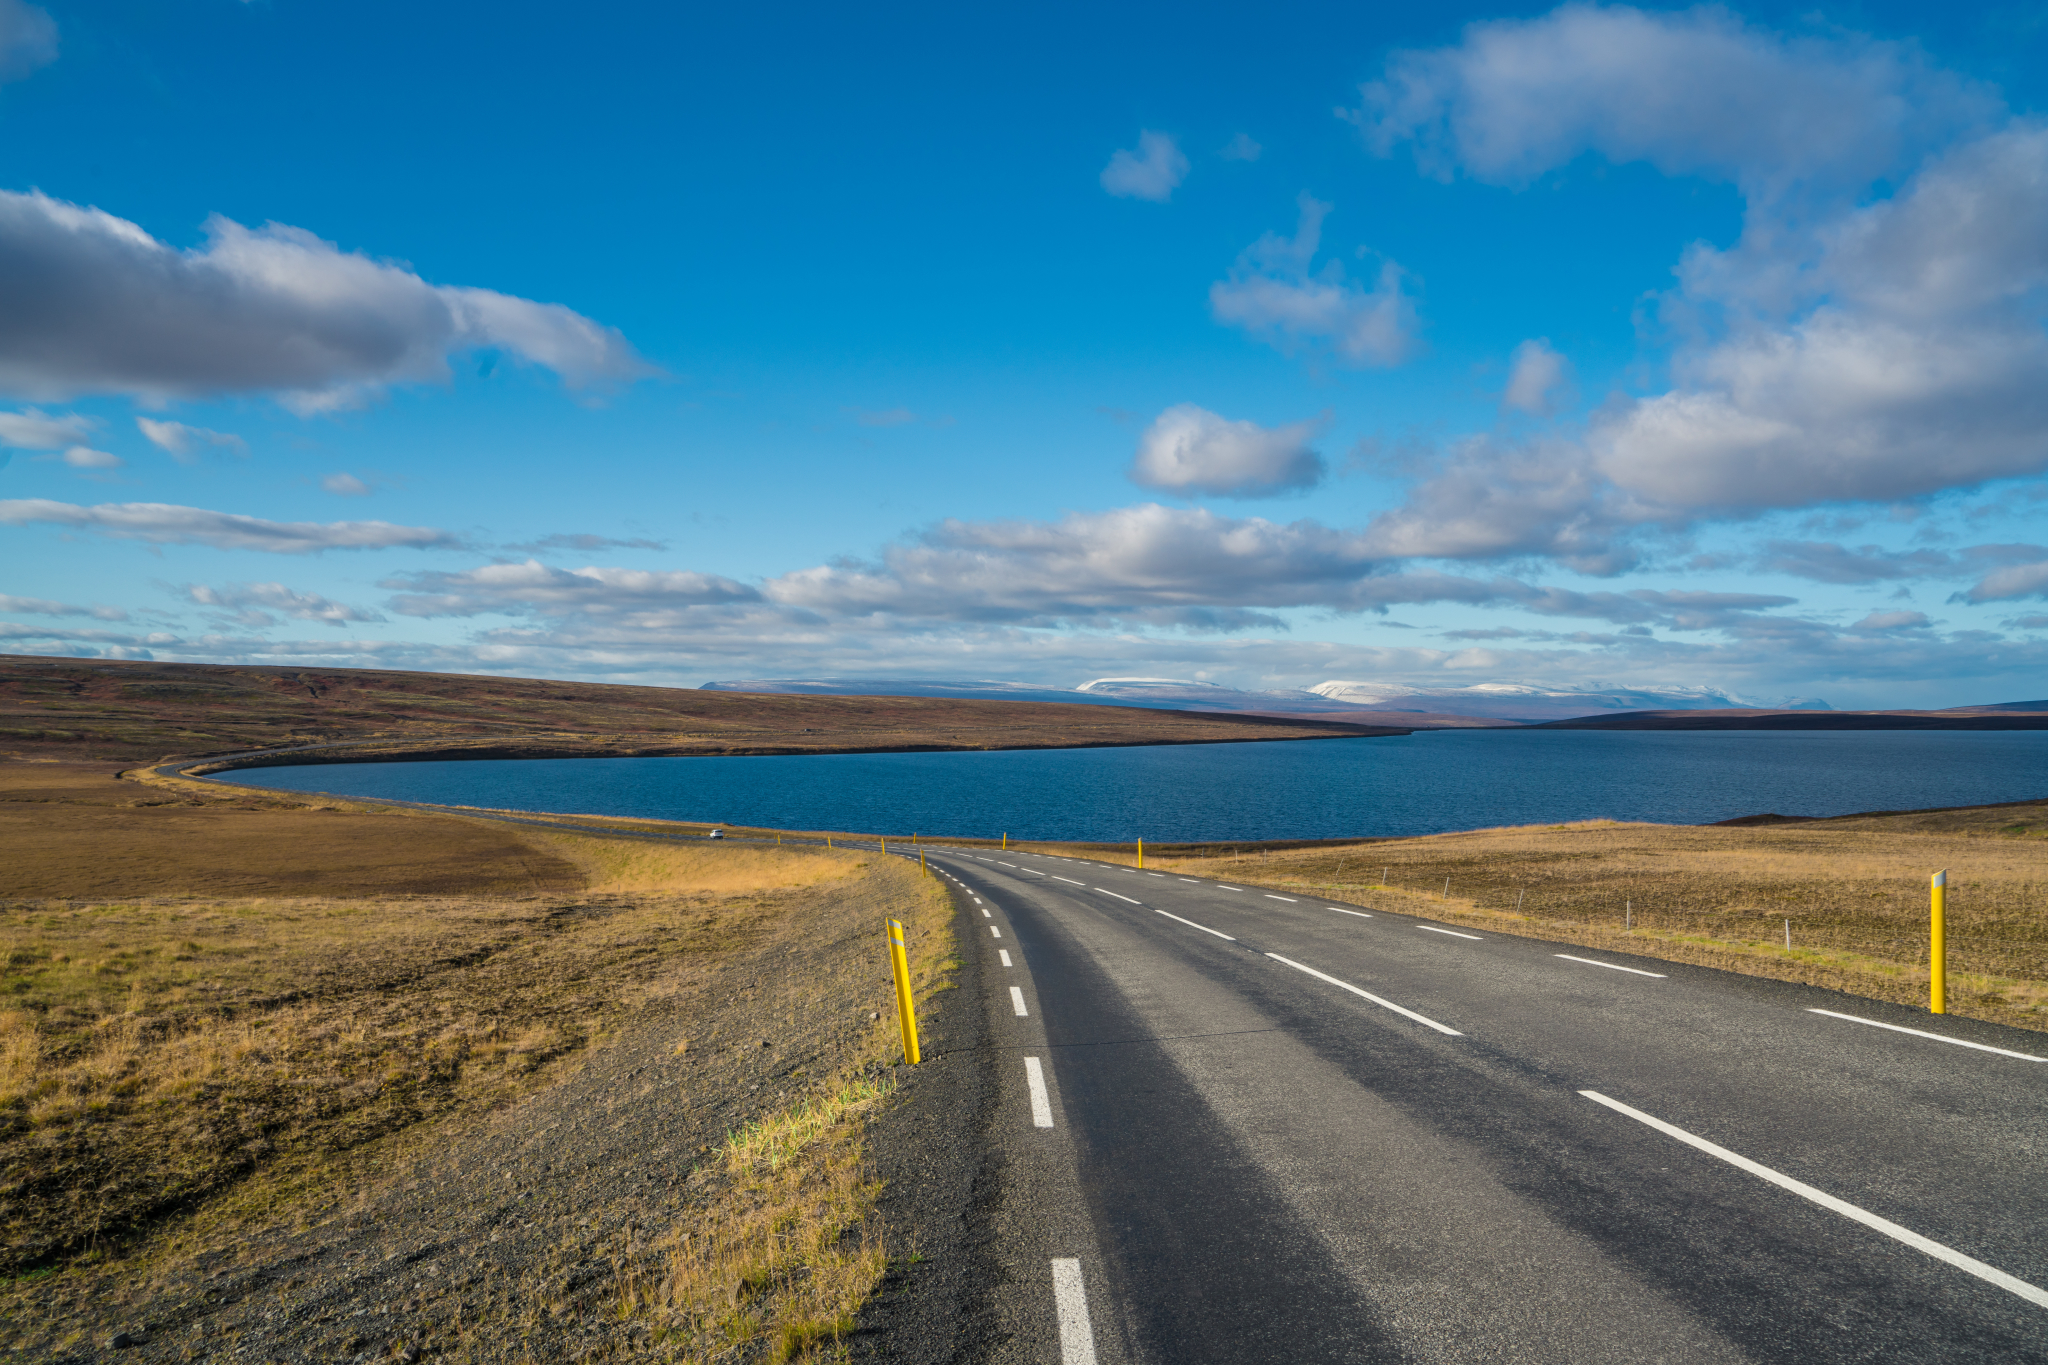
1239,1127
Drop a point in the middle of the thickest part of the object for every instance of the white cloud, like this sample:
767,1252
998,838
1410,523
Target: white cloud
1879,622
168,524
33,430
345,486
540,589
28,39
42,606
97,305
1272,294
2003,585
1188,449
252,603
1697,92
181,441
1878,333
85,457
1241,148
1150,172
1537,378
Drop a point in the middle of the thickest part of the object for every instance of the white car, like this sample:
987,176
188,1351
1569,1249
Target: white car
716,834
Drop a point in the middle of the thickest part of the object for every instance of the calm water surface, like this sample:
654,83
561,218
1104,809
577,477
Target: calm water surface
1337,788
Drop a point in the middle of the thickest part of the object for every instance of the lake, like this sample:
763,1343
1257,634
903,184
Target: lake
1310,789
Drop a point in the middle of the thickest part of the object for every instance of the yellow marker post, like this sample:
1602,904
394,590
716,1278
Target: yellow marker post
1141,854
906,1008
885,843
1937,944
1006,841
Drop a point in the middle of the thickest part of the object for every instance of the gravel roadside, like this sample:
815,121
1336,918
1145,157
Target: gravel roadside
504,1237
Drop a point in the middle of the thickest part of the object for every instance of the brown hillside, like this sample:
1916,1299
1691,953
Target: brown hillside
124,711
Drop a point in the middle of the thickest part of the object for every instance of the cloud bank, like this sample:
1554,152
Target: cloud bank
168,524
1848,347
97,305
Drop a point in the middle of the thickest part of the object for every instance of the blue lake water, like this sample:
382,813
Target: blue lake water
1311,789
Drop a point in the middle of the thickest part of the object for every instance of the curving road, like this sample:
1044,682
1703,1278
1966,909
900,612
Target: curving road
1238,1126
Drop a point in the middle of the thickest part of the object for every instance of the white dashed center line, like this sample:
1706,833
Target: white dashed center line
1922,1033
1017,1001
2011,1284
1004,954
1289,899
1383,1003
1069,881
1192,925
993,930
1452,932
1360,913
1107,892
1610,966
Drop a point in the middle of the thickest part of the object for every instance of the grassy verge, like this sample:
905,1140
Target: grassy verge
784,1251
1853,890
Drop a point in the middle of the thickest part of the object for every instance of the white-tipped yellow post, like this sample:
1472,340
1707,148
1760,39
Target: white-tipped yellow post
1006,841
906,1008
1141,853
1937,944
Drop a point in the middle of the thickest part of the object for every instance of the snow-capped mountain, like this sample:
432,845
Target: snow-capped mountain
1497,702
1529,701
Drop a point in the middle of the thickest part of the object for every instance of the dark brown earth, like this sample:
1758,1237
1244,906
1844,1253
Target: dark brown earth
125,711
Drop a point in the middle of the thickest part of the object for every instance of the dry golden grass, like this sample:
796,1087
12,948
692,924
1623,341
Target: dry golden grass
784,1254
230,1055
1853,888
717,867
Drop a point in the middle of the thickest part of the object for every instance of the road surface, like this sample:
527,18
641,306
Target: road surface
1240,1126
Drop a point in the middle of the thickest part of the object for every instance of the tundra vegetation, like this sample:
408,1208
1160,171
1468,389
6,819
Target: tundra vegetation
221,1011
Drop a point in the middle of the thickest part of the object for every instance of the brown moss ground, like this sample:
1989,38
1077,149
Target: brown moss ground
130,711
75,830
1855,889
187,1078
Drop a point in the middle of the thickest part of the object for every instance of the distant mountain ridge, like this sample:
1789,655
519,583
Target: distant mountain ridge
1490,703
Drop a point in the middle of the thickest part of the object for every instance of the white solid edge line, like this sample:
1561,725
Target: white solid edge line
1192,925
1069,881
1017,1001
1070,1298
1107,892
1360,913
1610,966
1388,1004
1289,899
2011,1284
1004,954
1923,1033
993,930
1041,1103
1452,932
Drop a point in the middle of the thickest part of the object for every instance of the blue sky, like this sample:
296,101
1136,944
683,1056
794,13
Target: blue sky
666,344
